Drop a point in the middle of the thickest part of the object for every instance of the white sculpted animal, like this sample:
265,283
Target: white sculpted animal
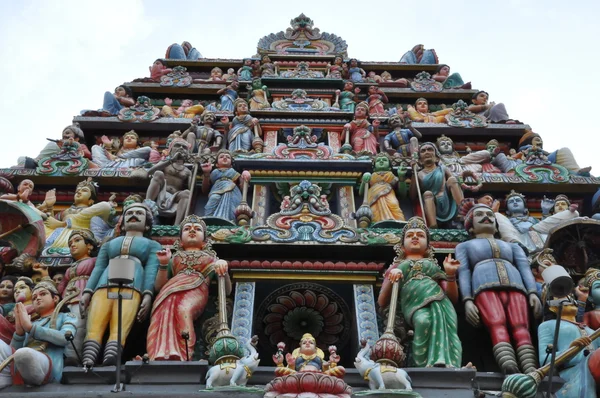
380,377
237,375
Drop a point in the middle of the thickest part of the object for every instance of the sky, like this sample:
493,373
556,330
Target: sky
534,56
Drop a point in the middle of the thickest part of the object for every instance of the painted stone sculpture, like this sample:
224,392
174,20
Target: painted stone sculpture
239,373
228,96
376,100
380,187
220,185
346,100
441,192
178,77
182,282
362,134
582,372
114,102
307,372
494,113
381,376
448,80
397,141
78,216
129,155
187,109
426,296
171,180
476,162
245,72
207,138
299,101
37,347
159,69
84,248
592,283
267,68
423,82
419,55
184,51
242,129
354,71
335,71
258,95
301,71
497,287
420,113
136,247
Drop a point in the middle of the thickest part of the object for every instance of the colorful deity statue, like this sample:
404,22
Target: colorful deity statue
354,71
476,162
349,97
267,68
563,156
78,216
182,282
207,138
442,75
37,346
159,69
258,95
114,102
84,248
397,141
220,185
171,181
494,113
134,246
308,358
363,135
187,109
129,155
497,287
335,71
216,74
591,317
440,189
420,113
376,100
8,299
228,96
230,75
245,72
582,372
7,287
240,130
381,185
426,296
419,55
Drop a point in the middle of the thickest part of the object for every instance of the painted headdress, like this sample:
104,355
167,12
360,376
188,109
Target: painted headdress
46,285
89,183
591,275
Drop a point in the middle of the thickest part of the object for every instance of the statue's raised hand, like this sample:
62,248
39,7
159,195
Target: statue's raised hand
547,205
206,167
472,313
451,265
164,256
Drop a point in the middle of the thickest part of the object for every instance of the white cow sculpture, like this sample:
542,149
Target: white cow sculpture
238,375
380,377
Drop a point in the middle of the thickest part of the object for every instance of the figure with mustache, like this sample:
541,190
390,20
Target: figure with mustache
207,138
134,244
441,192
497,287
171,180
182,282
426,295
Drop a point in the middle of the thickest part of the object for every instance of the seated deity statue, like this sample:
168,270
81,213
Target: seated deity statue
114,102
420,113
454,80
363,135
130,154
308,358
476,162
526,230
494,113
354,72
171,181
187,109
381,187
37,347
159,69
230,75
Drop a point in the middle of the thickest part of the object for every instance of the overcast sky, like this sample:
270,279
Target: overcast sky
537,57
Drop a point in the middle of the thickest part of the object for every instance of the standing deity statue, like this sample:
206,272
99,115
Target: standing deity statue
376,100
349,97
182,282
102,314
220,185
84,248
497,287
441,192
335,71
37,347
258,95
171,181
240,131
267,68
363,135
206,136
397,141
245,72
228,96
426,296
354,71
380,195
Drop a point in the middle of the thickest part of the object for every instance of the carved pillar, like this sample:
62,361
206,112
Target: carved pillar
366,317
241,323
260,204
346,205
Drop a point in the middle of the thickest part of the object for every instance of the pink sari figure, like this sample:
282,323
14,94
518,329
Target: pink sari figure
363,135
376,99
183,293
